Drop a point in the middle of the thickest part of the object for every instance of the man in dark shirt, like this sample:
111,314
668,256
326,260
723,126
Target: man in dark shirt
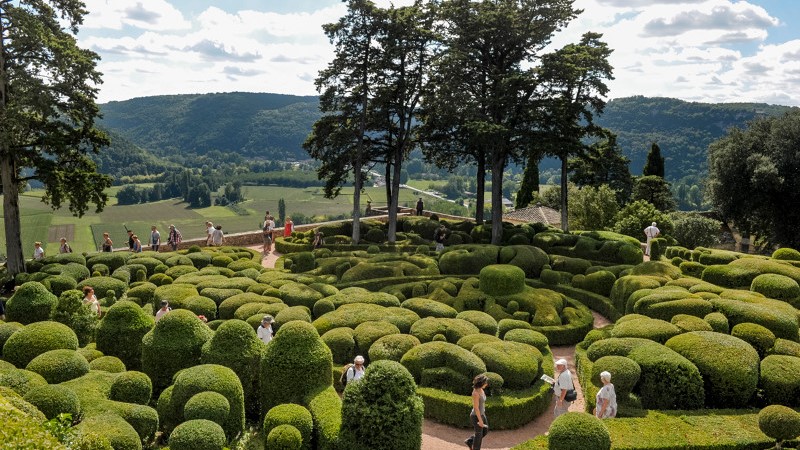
130,239
420,206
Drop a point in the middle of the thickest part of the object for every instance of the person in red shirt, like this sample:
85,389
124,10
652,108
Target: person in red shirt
288,227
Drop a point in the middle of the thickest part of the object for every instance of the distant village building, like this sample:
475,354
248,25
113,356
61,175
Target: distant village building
537,213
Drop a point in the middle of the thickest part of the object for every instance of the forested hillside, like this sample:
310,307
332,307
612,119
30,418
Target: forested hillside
273,127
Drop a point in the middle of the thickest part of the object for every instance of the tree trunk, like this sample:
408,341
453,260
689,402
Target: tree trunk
480,187
388,179
564,202
15,259
498,164
357,185
397,163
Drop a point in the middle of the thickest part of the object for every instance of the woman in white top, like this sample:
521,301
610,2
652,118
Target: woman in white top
606,398
561,386
90,300
356,371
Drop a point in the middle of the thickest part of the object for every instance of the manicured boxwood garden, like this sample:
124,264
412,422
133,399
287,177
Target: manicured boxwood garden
426,322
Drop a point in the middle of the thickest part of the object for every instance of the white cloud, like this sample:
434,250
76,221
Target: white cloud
143,14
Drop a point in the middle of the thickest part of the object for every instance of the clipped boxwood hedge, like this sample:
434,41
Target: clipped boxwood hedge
208,405
578,430
131,387
108,364
57,366
119,333
780,380
197,435
54,399
37,338
290,414
31,302
392,347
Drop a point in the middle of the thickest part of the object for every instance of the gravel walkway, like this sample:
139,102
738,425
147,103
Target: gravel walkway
436,436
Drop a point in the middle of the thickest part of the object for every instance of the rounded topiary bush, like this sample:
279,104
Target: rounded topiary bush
197,434
107,364
103,285
174,343
469,341
290,414
53,400
6,330
284,437
120,332
485,323
729,365
760,337
37,338
209,378
625,373
132,387
779,422
780,380
690,323
21,380
297,362
341,341
575,430
653,329
434,355
31,302
236,346
211,406
788,254
57,366
382,410
502,279
429,308
519,364
452,329
368,332
776,286
718,322
392,347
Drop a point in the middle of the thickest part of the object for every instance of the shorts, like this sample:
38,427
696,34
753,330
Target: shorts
267,239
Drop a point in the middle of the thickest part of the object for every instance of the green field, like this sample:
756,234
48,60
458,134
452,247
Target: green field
41,223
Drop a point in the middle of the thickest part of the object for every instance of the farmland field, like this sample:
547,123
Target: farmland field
38,219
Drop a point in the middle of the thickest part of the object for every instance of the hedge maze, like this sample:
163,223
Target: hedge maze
706,333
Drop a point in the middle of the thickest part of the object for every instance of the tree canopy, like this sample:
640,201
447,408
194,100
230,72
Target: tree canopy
655,162
753,178
48,87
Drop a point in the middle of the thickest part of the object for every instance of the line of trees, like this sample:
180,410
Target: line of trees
467,81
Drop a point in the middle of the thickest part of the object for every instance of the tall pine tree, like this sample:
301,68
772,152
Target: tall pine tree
655,162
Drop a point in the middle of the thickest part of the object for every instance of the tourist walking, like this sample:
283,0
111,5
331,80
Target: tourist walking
606,399
130,240
38,251
108,244
420,206
155,239
563,388
651,233
137,245
439,237
217,237
209,232
288,227
477,416
356,371
64,247
174,238
267,229
163,310
90,300
318,239
264,331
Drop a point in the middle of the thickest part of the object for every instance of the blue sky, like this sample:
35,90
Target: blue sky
697,50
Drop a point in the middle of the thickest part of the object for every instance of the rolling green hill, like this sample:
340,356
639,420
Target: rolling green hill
273,126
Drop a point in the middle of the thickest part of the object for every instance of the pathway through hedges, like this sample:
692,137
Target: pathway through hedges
436,436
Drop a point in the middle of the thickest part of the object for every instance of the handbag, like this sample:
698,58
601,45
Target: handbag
571,395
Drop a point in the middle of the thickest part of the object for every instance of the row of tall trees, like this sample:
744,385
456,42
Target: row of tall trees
467,81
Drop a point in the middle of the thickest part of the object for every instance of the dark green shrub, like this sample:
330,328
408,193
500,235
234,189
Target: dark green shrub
296,294
341,341
351,315
600,282
175,294
71,311
120,332
625,373
285,437
113,260
382,410
780,380
690,323
197,435
485,323
290,414
573,266
777,316
785,347
359,295
760,338
453,329
506,325
173,344
103,285
502,279
201,306
367,333
58,284
53,400
322,307
37,338
208,405
729,276
653,329
718,322
289,314
578,430
297,362
729,366
57,366
219,295
229,306
779,422
467,259
6,330
21,380
132,387
776,286
31,302
530,337
518,364
442,354
429,308
209,378
627,285
392,347
236,346
471,340
786,254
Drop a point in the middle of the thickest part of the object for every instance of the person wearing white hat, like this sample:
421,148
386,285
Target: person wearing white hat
356,371
264,330
563,384
606,398
651,233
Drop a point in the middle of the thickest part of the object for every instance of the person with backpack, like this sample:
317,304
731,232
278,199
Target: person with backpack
267,228
64,247
353,372
174,238
563,388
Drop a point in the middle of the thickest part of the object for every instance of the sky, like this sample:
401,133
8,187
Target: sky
695,50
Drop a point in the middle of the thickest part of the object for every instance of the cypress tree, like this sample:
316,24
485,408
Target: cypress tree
655,162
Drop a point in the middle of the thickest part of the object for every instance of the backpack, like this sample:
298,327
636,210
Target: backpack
343,377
